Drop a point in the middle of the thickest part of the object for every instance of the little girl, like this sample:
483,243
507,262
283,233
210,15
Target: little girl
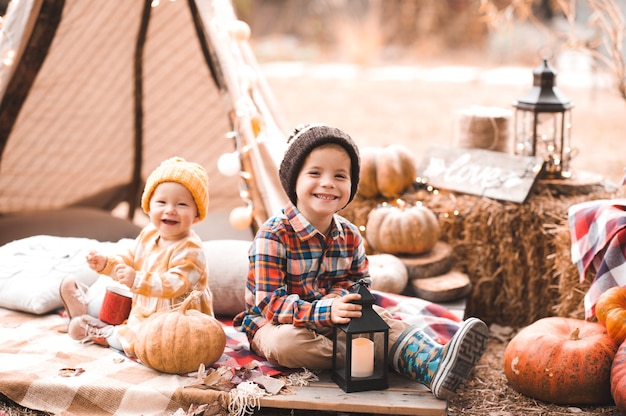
165,264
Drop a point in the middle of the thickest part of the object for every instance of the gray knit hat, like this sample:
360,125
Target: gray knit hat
302,141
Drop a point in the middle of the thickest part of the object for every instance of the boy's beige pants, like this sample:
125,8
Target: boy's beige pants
302,347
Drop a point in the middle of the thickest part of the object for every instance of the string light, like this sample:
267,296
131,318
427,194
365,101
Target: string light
248,78
248,121
241,217
229,164
8,57
422,191
239,30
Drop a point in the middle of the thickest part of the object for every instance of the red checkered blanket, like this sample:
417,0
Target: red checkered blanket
598,231
43,368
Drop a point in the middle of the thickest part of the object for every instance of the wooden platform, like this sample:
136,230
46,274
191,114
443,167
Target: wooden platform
403,397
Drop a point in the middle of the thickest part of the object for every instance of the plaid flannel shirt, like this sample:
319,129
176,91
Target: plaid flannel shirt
293,267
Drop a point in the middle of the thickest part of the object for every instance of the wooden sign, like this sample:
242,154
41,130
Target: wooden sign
481,172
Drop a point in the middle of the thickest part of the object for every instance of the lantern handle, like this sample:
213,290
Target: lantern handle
361,282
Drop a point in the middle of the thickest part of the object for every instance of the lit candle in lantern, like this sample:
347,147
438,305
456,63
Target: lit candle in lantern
362,357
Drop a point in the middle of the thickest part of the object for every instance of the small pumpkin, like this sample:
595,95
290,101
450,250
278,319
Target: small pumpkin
611,312
562,361
388,273
402,229
618,379
388,171
177,341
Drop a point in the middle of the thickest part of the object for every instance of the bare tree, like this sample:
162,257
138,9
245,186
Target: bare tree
606,22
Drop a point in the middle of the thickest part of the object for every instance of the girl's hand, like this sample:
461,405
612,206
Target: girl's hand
341,310
125,274
96,261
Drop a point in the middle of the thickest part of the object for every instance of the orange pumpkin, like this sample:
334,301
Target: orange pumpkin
611,312
618,379
177,341
388,171
402,230
562,361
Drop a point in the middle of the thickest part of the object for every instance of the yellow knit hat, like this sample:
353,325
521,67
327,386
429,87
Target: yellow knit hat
189,174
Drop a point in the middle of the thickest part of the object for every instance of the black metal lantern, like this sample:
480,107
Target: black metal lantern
360,347
543,124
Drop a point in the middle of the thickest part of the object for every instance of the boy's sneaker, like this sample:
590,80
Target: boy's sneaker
459,357
88,329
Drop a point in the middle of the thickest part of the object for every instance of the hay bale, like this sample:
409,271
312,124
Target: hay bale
516,255
480,127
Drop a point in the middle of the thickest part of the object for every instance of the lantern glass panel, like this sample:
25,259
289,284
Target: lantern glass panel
546,135
567,152
339,357
360,360
525,133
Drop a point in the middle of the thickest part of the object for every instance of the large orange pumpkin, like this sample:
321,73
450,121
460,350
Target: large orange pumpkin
388,171
177,341
562,361
402,230
611,312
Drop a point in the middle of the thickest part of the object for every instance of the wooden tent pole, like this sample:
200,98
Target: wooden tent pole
136,182
207,51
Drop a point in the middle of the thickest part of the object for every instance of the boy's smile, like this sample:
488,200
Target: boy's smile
323,185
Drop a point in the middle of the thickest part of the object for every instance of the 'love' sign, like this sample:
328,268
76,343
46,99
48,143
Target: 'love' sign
481,172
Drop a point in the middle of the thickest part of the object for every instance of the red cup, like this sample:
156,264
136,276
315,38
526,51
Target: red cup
116,305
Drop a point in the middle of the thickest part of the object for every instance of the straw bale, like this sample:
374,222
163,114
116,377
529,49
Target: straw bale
517,255
483,127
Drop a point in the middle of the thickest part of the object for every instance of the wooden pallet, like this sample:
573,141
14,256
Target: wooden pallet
403,397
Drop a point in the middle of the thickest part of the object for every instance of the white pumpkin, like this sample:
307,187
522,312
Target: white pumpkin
388,273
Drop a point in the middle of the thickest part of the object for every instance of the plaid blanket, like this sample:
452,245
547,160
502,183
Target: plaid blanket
598,232
42,368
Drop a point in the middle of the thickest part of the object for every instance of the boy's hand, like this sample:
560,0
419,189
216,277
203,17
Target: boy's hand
342,310
96,261
125,274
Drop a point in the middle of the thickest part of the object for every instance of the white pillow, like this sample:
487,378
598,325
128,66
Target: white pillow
228,269
31,270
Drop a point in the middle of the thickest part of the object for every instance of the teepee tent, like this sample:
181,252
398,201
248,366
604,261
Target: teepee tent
95,94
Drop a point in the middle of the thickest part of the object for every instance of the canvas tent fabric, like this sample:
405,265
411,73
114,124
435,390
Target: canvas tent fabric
94,95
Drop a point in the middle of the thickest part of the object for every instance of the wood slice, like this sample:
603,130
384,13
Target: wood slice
445,288
436,262
579,183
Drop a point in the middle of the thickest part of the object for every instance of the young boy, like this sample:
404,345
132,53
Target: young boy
165,264
304,260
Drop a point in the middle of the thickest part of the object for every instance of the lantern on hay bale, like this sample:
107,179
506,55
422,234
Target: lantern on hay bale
360,359
543,124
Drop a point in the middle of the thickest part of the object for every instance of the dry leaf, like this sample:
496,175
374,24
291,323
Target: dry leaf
270,384
71,372
215,379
